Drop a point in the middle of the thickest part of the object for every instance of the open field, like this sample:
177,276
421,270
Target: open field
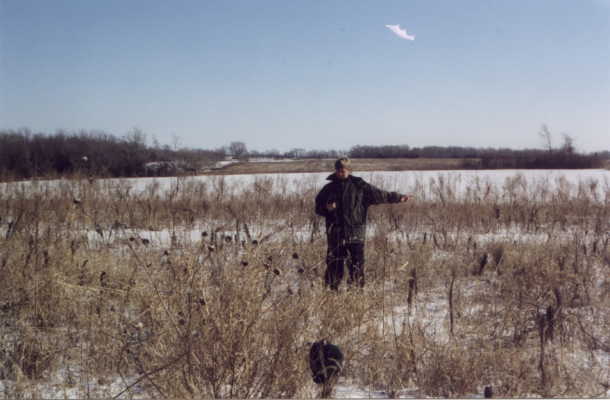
359,164
213,287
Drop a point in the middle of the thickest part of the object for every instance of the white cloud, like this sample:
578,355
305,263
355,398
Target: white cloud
402,33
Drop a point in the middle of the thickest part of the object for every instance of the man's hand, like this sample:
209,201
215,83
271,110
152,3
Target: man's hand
331,206
404,198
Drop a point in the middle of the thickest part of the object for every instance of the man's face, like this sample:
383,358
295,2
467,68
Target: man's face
342,173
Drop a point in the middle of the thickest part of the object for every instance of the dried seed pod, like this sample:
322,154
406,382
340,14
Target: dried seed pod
550,323
482,263
498,254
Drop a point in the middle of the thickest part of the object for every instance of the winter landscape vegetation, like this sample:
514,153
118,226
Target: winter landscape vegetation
212,285
159,163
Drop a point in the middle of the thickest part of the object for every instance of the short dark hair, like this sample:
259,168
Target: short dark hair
343,162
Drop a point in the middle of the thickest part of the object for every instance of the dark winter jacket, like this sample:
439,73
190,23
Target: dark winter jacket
353,197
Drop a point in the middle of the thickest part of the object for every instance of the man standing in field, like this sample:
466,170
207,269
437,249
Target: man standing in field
344,203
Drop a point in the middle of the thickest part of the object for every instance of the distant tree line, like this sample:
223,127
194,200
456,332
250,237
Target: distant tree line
296,153
239,150
24,154
474,158
404,151
489,158
563,156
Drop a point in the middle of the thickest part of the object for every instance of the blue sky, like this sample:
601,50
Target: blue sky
313,74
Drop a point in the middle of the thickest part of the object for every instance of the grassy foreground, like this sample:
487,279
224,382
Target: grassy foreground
211,291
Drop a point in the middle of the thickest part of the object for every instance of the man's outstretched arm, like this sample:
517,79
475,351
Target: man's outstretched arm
374,195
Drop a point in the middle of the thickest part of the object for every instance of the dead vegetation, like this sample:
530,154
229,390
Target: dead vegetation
203,290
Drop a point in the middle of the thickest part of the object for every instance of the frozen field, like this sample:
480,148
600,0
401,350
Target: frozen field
495,278
425,182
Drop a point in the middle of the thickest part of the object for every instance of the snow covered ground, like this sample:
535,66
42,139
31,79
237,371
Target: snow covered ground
426,183
267,159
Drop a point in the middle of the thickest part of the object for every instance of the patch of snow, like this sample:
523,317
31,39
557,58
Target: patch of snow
222,164
54,389
496,185
343,391
267,159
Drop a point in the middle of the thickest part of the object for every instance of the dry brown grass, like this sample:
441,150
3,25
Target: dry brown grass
85,301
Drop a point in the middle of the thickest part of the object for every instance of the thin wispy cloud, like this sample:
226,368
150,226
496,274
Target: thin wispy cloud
401,33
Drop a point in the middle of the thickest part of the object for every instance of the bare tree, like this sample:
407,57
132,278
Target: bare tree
238,149
297,153
176,141
136,137
568,144
545,135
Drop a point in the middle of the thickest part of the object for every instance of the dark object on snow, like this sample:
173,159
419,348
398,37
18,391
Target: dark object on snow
482,264
325,361
488,393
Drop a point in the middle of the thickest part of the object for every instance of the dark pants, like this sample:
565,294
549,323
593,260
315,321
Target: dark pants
338,253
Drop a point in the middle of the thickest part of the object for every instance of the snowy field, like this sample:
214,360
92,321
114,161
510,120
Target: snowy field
459,182
426,238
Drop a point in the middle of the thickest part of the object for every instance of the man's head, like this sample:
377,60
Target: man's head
343,167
